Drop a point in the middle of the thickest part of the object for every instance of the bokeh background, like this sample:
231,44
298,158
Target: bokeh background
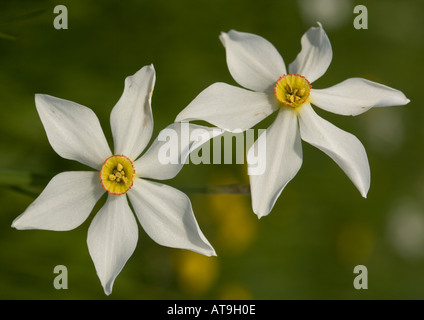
320,228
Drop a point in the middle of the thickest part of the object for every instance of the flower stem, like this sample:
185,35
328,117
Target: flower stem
216,189
11,178
19,181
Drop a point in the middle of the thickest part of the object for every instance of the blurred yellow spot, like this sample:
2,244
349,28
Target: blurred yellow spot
236,223
355,243
235,291
196,273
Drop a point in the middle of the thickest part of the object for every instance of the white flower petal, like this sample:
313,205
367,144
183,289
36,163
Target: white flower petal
355,96
170,150
316,54
131,118
252,60
112,239
73,130
344,148
283,160
167,217
228,107
64,204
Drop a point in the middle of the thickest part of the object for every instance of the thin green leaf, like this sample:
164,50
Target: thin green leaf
7,36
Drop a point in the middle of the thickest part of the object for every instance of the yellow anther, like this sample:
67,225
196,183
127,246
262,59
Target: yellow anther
112,177
289,88
119,167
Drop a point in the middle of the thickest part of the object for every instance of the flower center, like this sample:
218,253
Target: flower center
292,89
116,175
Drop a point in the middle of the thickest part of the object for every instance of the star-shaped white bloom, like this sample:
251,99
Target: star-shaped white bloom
255,64
165,213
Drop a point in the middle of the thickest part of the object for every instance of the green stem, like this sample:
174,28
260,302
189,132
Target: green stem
20,181
7,36
224,189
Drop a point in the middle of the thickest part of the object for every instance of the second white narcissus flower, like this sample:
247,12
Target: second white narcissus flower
255,64
165,213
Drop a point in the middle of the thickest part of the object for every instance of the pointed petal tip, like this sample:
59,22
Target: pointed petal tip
42,97
260,215
151,67
18,225
210,252
364,190
107,290
403,100
39,97
222,37
223,33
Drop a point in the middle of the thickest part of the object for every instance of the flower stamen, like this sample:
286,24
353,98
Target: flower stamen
292,90
116,175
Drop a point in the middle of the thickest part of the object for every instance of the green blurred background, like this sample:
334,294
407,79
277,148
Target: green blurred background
320,228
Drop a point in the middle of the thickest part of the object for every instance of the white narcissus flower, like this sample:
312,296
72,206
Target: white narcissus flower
165,213
255,64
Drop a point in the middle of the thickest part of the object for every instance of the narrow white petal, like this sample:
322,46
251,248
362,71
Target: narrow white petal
167,217
316,54
64,204
73,130
112,239
344,148
252,60
355,96
170,150
228,107
283,158
131,118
